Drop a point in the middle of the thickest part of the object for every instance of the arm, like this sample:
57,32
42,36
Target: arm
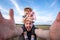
8,28
18,31
42,33
55,28
34,16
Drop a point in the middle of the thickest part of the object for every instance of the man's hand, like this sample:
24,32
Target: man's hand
55,29
7,27
53,33
42,33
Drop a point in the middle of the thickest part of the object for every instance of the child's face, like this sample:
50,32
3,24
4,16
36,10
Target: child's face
27,11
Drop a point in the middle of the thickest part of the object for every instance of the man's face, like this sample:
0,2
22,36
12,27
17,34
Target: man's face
28,25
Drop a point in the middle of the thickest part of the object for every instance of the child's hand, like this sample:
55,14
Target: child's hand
30,18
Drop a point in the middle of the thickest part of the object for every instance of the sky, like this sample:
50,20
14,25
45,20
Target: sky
45,10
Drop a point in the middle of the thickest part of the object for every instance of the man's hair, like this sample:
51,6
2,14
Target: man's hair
27,20
25,9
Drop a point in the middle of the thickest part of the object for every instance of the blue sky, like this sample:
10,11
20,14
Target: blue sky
45,10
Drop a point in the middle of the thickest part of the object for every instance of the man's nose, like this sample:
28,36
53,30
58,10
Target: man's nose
28,24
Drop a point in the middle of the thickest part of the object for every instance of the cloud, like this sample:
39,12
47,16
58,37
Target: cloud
4,12
18,20
6,16
53,3
44,17
19,10
30,3
44,20
2,9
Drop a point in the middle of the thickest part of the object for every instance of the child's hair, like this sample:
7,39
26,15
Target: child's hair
25,9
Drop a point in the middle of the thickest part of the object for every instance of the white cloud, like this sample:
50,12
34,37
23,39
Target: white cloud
6,16
18,20
44,19
4,12
19,10
2,9
53,3
31,3
48,18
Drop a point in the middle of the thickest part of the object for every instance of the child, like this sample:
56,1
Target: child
29,14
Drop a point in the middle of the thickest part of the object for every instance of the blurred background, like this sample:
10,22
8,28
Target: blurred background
45,11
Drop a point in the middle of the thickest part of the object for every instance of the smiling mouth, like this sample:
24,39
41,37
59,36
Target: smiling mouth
28,28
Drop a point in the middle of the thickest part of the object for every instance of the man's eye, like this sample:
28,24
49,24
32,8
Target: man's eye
26,23
30,23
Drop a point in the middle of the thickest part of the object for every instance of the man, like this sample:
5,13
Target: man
28,30
8,28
